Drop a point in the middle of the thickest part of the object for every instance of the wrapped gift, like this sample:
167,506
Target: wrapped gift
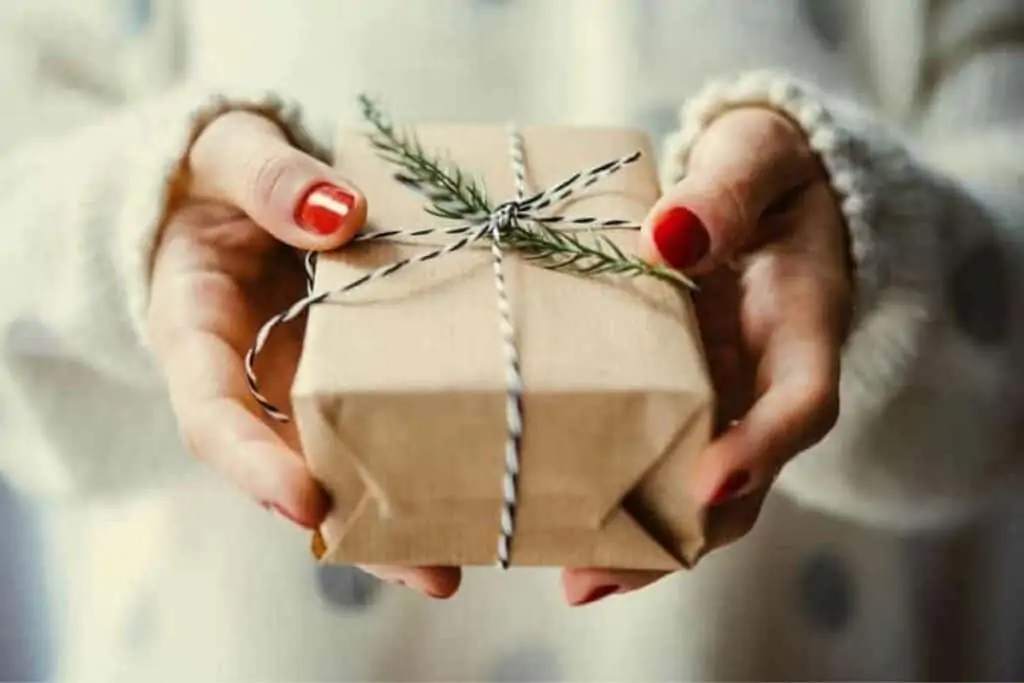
413,378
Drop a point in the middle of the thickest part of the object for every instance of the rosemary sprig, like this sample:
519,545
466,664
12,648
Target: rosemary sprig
455,195
562,250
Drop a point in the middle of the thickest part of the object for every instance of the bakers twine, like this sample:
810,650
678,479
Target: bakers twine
492,226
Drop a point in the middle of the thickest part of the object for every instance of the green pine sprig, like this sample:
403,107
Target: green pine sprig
563,250
454,194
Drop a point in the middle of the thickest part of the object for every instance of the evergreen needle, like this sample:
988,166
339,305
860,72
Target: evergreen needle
455,195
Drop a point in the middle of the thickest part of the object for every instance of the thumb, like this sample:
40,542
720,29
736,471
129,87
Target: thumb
697,224
245,160
744,163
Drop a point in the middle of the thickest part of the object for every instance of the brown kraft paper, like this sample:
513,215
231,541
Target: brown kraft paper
400,393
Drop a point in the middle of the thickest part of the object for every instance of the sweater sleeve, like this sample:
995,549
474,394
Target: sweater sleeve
930,424
79,214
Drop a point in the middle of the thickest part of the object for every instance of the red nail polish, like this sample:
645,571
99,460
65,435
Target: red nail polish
597,593
324,209
681,239
730,487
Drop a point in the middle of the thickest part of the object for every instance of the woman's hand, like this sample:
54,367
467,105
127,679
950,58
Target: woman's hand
756,224
225,264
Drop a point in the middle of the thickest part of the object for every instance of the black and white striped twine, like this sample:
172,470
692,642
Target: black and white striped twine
521,209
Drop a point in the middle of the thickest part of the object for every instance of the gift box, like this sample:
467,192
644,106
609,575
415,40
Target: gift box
402,393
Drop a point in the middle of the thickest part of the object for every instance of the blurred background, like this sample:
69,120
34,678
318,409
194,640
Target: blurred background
946,606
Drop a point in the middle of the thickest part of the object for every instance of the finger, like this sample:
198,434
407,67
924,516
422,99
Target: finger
586,586
437,582
798,409
795,313
221,426
746,162
244,160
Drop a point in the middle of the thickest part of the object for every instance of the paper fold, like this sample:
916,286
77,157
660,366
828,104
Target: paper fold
400,394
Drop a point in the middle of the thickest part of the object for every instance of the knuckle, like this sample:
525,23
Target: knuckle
787,147
730,196
270,175
821,406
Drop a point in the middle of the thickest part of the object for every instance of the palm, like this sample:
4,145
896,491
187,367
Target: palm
776,306
216,279
730,359
772,325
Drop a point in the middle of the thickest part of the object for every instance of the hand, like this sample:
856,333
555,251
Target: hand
224,264
755,223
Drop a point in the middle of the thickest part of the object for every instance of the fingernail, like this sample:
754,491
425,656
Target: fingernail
680,237
730,487
597,593
324,208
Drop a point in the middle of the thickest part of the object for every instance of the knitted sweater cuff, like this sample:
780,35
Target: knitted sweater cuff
162,177
887,202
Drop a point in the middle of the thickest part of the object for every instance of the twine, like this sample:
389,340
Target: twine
511,213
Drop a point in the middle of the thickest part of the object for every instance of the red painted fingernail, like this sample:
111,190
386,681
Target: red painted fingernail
597,593
730,487
681,239
324,209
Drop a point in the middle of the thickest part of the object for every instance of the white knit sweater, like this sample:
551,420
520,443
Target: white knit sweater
915,109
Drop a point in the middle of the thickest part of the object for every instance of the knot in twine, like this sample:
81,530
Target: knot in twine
495,224
505,215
